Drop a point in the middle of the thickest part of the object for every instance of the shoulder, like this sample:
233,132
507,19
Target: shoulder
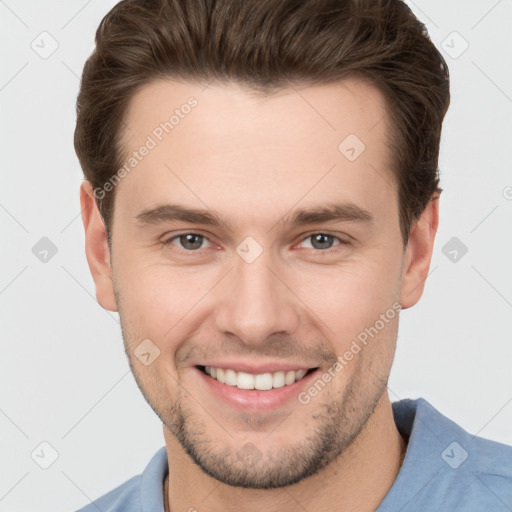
142,492
480,454
125,498
446,467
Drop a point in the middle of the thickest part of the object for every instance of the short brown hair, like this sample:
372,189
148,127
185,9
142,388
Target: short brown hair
266,45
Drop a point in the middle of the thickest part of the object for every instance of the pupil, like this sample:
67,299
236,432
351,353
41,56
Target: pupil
321,238
188,241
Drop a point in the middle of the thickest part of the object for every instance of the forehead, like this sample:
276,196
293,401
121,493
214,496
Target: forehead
295,114
223,141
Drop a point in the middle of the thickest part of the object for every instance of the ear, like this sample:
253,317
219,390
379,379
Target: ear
96,248
418,254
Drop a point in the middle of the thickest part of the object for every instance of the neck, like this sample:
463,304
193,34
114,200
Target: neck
358,479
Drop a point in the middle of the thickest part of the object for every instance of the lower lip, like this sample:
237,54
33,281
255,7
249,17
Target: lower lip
255,400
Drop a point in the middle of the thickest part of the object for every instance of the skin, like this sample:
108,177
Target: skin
254,160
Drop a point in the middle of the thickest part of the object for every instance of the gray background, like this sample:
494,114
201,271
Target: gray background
63,373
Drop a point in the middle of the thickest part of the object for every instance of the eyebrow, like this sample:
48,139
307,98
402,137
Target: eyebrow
341,212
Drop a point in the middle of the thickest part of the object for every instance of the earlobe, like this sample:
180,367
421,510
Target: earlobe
96,248
419,254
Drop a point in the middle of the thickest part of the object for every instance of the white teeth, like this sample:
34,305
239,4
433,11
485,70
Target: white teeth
230,377
289,378
278,380
263,381
245,381
220,375
300,374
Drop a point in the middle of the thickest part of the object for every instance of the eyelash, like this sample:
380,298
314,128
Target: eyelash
330,249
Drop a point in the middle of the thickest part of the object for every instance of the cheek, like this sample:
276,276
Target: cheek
352,296
157,299
357,309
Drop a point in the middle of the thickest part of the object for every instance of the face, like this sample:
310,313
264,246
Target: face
257,242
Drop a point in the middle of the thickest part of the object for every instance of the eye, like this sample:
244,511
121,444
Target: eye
188,241
323,241
193,242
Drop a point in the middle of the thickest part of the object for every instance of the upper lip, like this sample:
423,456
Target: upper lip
259,368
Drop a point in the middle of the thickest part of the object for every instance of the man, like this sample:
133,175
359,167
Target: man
261,201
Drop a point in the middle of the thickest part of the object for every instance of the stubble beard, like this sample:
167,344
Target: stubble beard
338,424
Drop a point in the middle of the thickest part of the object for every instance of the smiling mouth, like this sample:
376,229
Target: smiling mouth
262,381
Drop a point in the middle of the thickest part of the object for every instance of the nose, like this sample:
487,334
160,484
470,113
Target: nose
257,302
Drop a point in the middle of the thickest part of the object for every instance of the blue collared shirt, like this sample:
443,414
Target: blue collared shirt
444,469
